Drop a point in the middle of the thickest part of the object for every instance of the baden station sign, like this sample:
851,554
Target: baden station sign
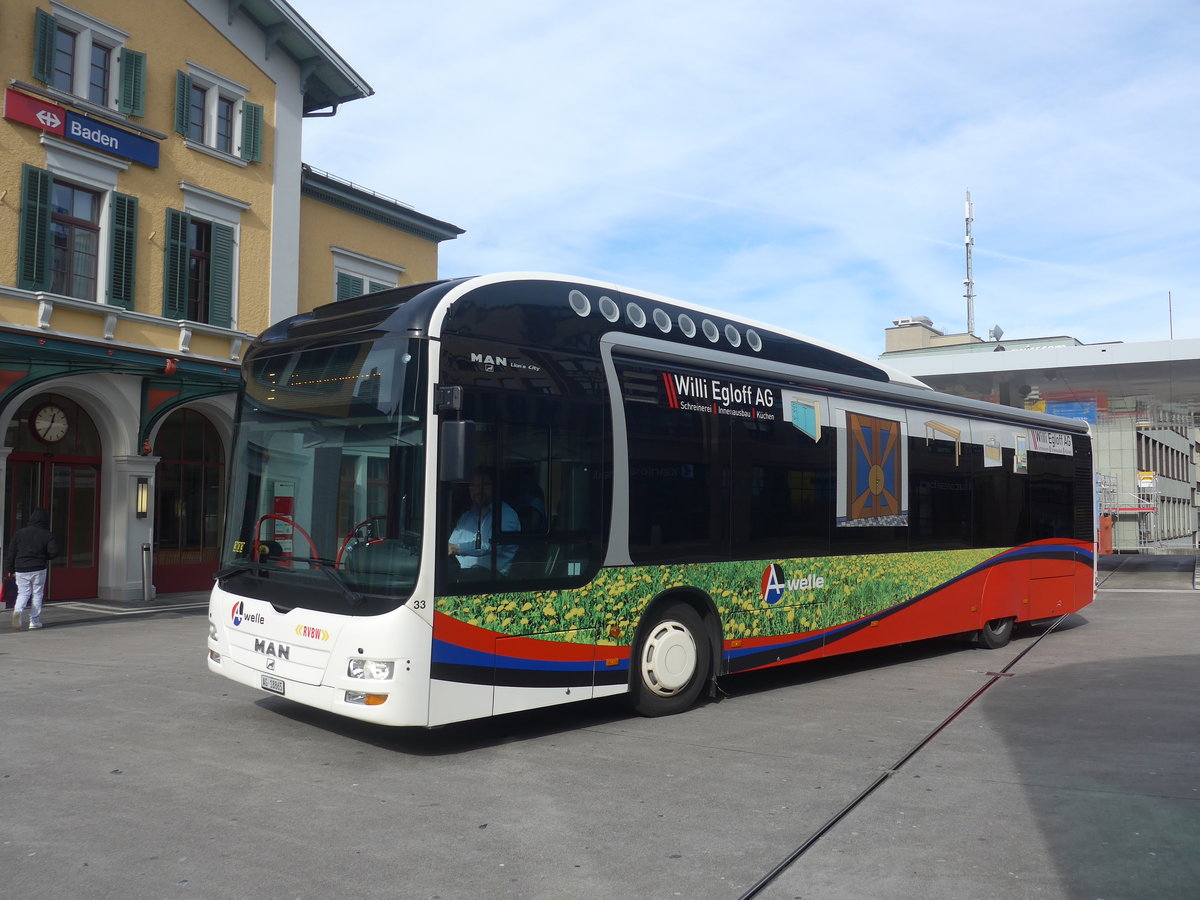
53,119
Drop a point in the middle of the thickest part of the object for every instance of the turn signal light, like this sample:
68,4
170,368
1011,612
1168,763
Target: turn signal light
362,699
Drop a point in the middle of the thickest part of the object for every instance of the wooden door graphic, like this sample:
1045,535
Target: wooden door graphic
873,470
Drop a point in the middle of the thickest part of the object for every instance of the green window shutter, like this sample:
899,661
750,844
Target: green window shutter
133,83
183,92
252,131
220,276
175,265
348,286
377,286
45,30
123,247
33,260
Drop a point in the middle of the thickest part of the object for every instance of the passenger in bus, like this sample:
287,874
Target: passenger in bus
471,539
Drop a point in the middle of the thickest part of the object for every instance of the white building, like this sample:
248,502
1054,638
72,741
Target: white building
1141,399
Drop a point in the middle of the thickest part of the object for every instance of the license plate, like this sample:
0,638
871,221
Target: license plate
272,684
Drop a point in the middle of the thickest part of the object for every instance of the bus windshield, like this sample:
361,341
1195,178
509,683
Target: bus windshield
326,505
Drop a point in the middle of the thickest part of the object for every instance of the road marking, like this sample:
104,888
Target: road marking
1109,590
115,611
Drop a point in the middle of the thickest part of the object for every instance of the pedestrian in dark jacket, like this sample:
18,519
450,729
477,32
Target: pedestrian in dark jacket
28,558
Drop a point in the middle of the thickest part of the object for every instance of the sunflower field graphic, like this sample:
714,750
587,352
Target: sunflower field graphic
606,611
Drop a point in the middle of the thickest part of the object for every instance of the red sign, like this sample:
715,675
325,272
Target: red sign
31,111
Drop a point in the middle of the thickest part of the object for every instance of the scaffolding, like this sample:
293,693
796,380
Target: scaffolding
1120,506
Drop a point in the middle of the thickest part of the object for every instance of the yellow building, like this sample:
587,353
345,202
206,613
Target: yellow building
155,215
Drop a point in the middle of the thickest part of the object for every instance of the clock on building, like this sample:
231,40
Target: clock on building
49,423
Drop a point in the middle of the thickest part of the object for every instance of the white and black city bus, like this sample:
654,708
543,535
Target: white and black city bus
677,494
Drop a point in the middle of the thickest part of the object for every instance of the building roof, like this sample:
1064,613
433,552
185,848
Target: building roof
367,203
1154,374
325,78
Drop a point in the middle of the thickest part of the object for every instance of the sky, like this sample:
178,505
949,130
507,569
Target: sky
800,163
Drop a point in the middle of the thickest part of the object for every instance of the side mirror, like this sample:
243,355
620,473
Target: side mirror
457,450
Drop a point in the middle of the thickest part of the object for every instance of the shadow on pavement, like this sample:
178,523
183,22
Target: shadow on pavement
1109,753
460,737
465,737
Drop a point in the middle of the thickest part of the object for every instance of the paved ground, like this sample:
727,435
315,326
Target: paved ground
126,770
76,612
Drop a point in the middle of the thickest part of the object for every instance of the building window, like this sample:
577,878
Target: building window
99,74
198,270
77,234
225,110
64,60
74,241
197,110
355,274
212,112
79,55
349,284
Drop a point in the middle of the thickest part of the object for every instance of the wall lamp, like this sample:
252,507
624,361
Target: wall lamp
142,500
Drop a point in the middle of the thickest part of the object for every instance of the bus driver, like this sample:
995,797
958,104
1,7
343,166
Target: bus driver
471,540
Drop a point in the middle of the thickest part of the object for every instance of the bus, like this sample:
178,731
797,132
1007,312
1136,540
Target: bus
677,495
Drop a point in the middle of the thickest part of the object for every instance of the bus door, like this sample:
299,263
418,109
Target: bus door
537,466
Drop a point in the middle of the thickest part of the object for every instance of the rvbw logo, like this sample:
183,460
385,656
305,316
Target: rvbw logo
775,584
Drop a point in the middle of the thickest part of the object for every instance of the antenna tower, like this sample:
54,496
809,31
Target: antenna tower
970,285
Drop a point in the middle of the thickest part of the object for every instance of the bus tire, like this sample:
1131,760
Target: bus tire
671,662
996,633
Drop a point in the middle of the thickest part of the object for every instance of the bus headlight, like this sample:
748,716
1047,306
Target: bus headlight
371,669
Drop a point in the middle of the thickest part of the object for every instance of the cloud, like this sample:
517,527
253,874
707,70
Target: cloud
801,163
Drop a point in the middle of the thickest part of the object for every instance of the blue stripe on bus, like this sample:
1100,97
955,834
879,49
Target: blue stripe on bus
453,654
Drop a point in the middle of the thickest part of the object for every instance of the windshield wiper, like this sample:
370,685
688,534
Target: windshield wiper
238,568
327,567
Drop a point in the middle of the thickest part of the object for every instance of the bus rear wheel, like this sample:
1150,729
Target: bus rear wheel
996,633
671,663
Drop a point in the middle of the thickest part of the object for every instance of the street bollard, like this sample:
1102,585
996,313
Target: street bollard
147,574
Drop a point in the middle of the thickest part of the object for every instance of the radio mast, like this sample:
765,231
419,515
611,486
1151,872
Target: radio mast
970,285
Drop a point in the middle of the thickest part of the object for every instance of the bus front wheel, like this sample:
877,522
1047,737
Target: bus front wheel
671,662
996,633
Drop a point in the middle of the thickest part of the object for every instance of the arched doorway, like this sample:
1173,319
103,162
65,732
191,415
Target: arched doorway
189,500
55,463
